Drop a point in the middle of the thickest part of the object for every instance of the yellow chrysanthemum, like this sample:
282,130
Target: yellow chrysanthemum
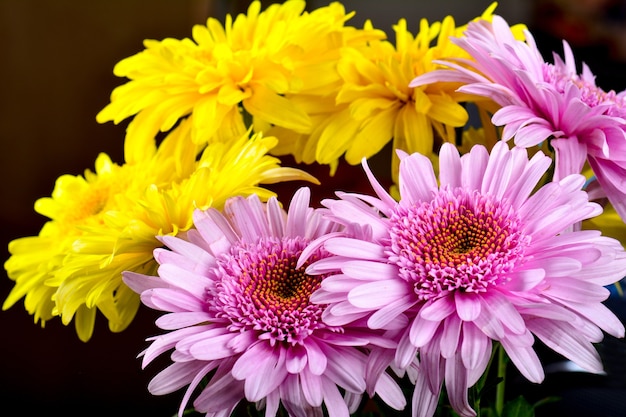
107,221
375,104
252,63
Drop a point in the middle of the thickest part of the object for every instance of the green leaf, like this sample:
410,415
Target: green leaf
518,407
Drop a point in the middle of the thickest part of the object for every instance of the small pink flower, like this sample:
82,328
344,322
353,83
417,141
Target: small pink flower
542,101
240,318
473,259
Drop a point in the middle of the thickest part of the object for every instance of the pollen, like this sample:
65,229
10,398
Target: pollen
266,292
459,241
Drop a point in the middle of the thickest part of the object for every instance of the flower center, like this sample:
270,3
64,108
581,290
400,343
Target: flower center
461,240
261,289
591,94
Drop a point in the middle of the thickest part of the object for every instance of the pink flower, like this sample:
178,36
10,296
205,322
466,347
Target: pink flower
240,318
542,101
474,260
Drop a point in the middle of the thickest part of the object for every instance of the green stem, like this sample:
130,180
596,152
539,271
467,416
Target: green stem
502,362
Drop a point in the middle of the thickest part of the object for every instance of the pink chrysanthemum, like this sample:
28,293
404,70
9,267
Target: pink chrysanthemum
473,260
542,101
240,316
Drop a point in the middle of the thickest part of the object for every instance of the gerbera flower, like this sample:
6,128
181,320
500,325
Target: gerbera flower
239,315
473,260
249,65
107,221
542,101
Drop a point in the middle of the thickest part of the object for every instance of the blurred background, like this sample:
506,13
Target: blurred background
56,73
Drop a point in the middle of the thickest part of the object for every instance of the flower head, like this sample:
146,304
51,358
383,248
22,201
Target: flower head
239,314
540,101
252,64
374,105
472,259
107,221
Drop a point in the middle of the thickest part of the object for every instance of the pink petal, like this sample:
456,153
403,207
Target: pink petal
343,317
405,353
564,339
376,294
312,388
316,357
242,341
140,283
355,248
497,173
392,312
423,401
438,309
174,377
450,166
533,134
422,331
474,164
188,281
275,217
313,246
298,213
247,217
206,331
524,280
432,364
389,391
378,189
296,359
174,321
346,368
526,360
474,347
456,386
167,341
570,157
367,270
221,395
212,348
333,400
215,230
291,396
504,311
601,316
267,374
417,179
576,290
173,300
467,306
189,250
272,402
450,336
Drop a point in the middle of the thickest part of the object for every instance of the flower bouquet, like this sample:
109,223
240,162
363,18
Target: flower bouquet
410,294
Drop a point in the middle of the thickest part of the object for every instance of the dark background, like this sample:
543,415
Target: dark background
56,74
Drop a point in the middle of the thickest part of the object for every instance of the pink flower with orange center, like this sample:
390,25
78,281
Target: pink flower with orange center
466,261
239,316
541,101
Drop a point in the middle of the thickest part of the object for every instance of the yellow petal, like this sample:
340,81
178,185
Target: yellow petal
276,109
372,137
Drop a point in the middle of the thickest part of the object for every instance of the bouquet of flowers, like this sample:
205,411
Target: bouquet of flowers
409,294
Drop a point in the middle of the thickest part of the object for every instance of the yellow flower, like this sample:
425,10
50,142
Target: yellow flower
375,104
247,66
108,221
